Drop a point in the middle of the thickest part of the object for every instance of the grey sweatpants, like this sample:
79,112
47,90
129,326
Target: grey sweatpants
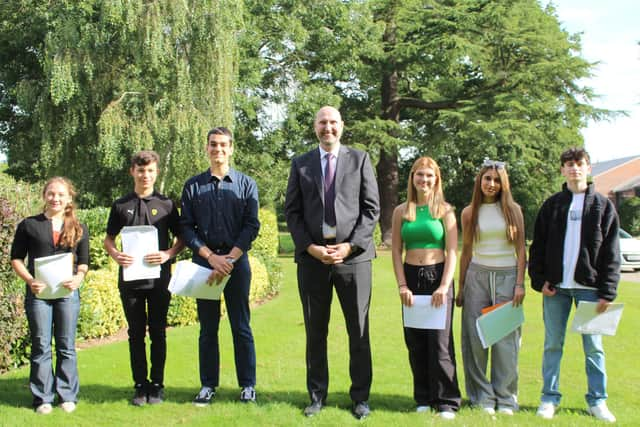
485,286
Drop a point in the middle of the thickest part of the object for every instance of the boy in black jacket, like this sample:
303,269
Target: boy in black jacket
574,257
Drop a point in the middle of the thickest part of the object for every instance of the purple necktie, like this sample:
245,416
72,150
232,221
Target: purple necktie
329,191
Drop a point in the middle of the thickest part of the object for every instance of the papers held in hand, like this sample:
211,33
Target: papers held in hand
53,271
138,241
498,323
422,315
190,280
588,321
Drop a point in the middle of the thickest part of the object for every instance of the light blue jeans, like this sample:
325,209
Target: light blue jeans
556,312
57,318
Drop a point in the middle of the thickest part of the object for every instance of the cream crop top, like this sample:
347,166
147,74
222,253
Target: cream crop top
492,249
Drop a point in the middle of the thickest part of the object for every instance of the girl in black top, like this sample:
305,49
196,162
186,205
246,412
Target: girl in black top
52,232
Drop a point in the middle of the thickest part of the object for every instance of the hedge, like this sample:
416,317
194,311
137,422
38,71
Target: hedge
101,312
14,340
629,211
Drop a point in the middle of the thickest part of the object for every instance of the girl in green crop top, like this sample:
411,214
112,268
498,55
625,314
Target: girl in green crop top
424,228
423,233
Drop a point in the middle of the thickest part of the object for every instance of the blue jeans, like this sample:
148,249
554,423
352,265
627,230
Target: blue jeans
556,312
236,297
60,317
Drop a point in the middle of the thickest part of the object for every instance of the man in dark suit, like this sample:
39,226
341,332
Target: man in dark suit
332,208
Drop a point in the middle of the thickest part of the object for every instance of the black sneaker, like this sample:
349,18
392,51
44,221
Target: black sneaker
140,396
204,397
248,395
156,394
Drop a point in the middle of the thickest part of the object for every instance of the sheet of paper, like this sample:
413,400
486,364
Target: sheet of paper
498,323
53,270
588,321
422,315
190,280
138,241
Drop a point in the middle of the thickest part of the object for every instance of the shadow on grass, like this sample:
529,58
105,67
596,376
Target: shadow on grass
15,392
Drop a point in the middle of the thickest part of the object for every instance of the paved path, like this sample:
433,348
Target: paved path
631,277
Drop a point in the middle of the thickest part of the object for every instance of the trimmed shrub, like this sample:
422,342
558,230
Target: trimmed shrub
260,284
182,311
14,337
24,198
266,244
377,236
629,211
101,312
96,221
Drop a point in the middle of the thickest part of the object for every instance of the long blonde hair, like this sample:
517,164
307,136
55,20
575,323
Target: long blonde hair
435,199
71,229
510,209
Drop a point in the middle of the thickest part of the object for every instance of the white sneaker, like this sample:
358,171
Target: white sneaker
422,408
44,408
447,415
488,410
601,412
546,410
505,410
68,407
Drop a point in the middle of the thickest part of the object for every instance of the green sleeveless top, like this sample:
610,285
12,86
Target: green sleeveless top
423,233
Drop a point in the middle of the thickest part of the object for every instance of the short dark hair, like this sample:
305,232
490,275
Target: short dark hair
145,157
221,130
574,154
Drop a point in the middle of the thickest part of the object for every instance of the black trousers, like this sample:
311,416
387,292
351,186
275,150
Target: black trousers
144,307
431,352
353,287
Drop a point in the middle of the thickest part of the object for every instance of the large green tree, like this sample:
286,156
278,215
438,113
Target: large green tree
458,80
84,83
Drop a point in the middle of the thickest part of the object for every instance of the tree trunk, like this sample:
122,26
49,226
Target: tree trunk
387,167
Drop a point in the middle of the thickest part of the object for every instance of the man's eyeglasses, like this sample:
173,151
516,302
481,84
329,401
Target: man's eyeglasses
493,164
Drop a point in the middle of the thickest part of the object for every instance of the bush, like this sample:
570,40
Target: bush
14,339
629,212
101,312
266,244
96,221
182,311
260,283
24,198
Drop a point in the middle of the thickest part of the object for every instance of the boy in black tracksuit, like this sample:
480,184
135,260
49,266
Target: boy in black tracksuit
145,302
574,256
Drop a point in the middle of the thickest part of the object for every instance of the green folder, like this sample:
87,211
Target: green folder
497,324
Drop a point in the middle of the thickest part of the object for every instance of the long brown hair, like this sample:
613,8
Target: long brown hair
435,199
71,229
510,209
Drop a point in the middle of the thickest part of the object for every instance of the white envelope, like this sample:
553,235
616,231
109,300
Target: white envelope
190,280
138,241
588,321
53,270
422,315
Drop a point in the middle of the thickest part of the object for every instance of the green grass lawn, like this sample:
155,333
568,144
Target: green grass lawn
279,334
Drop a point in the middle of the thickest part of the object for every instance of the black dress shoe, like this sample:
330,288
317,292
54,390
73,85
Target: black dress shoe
360,410
313,409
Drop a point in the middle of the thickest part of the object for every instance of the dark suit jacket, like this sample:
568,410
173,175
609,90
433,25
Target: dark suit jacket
357,203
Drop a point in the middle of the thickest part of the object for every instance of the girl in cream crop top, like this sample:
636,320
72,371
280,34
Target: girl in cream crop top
423,233
492,249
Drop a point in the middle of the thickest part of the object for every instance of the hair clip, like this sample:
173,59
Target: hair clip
493,164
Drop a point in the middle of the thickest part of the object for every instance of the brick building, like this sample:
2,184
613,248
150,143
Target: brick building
617,179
